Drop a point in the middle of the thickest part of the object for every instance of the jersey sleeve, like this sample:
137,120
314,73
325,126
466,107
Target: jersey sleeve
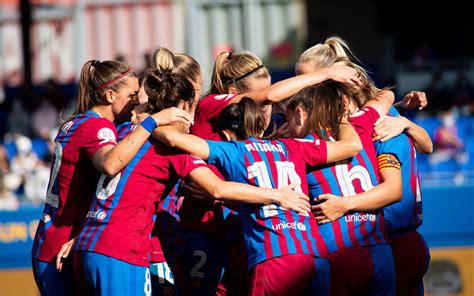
313,151
212,105
222,153
185,163
124,130
99,133
364,119
397,146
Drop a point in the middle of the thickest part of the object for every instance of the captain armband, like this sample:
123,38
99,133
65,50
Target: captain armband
388,161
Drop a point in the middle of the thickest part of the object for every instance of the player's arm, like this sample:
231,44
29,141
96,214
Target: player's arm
414,99
349,144
191,144
387,127
382,102
285,197
284,89
384,194
111,159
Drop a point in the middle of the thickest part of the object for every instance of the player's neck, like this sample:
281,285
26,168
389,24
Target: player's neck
103,112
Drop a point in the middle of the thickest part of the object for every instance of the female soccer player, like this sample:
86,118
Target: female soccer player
211,230
334,51
165,247
281,245
85,147
115,239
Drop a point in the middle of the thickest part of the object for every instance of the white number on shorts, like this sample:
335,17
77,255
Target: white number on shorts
105,192
195,270
164,273
345,177
147,287
52,198
286,174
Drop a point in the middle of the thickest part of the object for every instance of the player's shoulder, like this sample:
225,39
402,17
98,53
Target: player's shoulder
363,111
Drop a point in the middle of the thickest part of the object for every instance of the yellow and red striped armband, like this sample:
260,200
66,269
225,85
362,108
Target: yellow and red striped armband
388,161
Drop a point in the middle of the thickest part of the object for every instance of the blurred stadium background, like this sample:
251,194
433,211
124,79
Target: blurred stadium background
43,44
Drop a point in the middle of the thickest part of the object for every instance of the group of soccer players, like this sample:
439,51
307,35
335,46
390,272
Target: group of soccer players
155,189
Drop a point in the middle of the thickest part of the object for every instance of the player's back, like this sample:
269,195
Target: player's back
406,214
349,177
72,182
272,231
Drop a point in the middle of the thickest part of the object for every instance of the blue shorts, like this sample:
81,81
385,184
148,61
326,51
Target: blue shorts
105,275
52,282
363,271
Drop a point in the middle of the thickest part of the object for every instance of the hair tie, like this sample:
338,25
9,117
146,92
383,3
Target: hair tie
95,63
229,57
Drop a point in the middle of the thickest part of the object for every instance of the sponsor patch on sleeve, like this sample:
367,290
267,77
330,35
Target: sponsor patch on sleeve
106,135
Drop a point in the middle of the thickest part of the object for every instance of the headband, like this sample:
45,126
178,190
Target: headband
234,80
115,80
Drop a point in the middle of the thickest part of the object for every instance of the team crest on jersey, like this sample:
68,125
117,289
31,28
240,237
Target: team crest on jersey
106,135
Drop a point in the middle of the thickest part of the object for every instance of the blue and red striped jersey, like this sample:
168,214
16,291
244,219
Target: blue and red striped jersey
349,177
406,214
120,219
72,182
271,231
196,214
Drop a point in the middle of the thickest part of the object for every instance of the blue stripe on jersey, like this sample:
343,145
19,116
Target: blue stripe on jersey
247,226
167,202
118,193
48,209
268,222
299,234
289,239
77,121
334,186
123,130
357,224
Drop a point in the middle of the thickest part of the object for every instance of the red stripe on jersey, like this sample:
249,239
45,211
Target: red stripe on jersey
350,224
283,244
267,233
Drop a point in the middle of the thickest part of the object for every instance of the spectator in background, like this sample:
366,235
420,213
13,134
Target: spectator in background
8,200
423,59
448,145
4,165
54,95
438,92
44,119
463,93
18,119
23,163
